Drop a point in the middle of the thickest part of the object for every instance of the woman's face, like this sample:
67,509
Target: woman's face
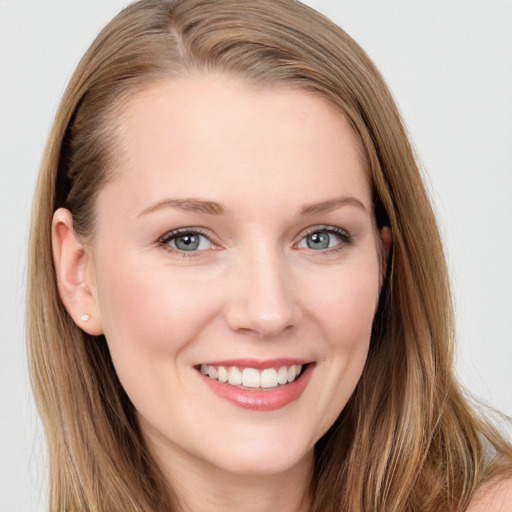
236,242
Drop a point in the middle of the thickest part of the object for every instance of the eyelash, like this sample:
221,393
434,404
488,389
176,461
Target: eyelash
344,236
176,233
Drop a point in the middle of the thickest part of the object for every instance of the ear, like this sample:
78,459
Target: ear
75,274
385,244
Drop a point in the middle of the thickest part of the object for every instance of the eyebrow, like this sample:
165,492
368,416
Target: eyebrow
331,204
214,208
187,205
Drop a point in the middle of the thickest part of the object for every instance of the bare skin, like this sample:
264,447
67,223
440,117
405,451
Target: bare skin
493,496
239,225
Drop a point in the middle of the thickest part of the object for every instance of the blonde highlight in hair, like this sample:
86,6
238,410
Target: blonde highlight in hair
407,440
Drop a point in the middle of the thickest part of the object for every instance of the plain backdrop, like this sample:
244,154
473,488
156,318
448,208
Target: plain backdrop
449,65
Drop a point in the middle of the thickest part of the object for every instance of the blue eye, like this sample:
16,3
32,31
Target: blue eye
322,239
186,241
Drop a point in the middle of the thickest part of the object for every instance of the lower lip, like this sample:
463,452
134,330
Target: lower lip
258,400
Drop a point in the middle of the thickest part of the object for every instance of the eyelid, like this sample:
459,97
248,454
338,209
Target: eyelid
343,234
164,240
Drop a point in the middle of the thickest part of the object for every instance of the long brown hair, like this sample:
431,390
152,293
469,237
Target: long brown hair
407,440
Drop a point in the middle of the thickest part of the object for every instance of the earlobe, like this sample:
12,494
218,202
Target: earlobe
75,274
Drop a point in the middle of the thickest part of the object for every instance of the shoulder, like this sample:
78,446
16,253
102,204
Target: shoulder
493,496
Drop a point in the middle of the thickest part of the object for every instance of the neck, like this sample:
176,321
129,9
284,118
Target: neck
222,491
200,486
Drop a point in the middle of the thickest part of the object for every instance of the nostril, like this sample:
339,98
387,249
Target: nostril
247,320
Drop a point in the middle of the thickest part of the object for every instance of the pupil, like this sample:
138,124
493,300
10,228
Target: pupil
187,242
319,240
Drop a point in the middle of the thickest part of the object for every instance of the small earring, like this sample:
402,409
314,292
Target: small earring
85,318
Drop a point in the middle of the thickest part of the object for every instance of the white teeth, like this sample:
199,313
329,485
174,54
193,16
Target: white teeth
234,376
268,378
223,374
292,373
251,377
212,372
282,375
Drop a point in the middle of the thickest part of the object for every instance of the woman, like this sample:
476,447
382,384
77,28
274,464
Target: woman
237,292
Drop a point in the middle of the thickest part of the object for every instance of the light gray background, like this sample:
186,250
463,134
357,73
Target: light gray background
449,65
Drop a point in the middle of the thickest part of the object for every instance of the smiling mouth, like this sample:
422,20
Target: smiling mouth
257,385
253,379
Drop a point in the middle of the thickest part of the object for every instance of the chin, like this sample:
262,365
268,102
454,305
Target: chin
264,464
263,455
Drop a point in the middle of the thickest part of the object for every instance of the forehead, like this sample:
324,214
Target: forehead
215,132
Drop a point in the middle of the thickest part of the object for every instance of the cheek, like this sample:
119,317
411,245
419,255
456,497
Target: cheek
352,314
151,317
345,306
149,310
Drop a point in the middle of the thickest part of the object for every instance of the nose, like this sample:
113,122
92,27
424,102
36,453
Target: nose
262,299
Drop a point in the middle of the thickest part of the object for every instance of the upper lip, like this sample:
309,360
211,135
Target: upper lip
258,364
